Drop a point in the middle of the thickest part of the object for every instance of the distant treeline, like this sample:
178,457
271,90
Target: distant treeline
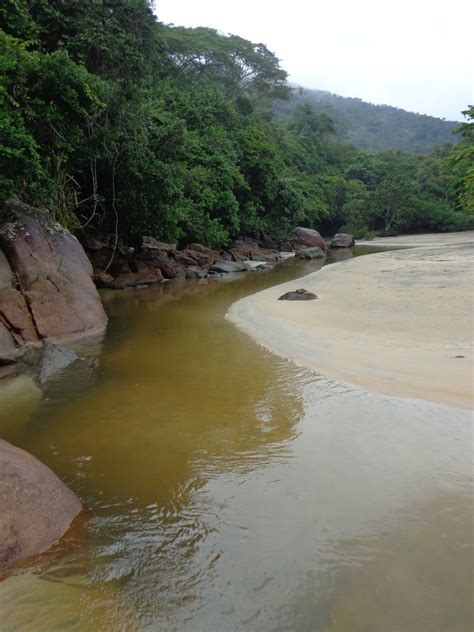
110,118
375,127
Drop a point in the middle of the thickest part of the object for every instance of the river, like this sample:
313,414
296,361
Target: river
229,489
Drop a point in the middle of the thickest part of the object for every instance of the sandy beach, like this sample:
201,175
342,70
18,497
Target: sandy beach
398,322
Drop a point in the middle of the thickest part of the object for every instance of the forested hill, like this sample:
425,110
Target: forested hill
375,127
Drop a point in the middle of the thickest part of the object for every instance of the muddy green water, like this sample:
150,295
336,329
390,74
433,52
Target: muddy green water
231,490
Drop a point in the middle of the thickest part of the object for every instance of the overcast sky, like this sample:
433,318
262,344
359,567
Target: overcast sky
414,54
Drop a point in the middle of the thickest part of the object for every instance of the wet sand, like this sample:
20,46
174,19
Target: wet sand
398,322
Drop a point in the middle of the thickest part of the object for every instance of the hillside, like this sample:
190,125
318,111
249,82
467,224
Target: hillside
375,127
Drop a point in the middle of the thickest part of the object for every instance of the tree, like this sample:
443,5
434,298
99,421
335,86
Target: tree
462,162
237,65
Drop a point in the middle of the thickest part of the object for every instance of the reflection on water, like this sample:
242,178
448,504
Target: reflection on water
231,490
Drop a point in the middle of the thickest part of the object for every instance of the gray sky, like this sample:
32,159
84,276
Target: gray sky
414,54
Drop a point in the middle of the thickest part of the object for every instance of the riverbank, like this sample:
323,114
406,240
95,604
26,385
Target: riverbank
398,322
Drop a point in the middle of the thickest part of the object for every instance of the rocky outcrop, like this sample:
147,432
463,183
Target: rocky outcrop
342,240
298,295
36,507
118,266
47,292
309,238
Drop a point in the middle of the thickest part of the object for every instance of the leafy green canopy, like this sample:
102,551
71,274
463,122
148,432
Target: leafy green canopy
111,118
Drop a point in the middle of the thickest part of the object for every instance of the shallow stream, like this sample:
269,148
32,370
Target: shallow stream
229,489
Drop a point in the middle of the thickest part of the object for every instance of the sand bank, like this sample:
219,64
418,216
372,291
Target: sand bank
398,322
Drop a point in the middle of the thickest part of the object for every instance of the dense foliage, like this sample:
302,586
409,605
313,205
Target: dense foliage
108,117
374,127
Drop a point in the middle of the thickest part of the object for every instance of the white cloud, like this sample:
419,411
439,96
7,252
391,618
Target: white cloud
414,54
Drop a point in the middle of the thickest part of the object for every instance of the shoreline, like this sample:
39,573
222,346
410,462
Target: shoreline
398,323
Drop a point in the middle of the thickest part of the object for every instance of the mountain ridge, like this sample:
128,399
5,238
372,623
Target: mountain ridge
375,127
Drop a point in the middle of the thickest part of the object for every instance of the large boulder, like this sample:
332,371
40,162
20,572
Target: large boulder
309,237
47,291
36,507
17,329
342,240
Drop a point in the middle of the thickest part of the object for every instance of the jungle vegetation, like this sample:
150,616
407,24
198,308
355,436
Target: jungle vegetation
110,118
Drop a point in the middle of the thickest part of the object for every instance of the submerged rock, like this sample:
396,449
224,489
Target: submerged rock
309,253
342,240
142,278
55,358
298,295
195,272
36,507
229,266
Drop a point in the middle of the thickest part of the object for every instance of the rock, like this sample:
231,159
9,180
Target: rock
47,290
157,258
248,249
342,240
104,280
309,253
17,329
205,256
229,266
298,295
194,272
55,358
36,507
255,265
8,368
150,243
309,237
143,278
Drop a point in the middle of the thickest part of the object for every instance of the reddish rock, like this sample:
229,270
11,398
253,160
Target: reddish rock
206,256
17,329
309,237
150,243
104,280
191,258
159,260
147,276
53,275
36,507
244,250
185,257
